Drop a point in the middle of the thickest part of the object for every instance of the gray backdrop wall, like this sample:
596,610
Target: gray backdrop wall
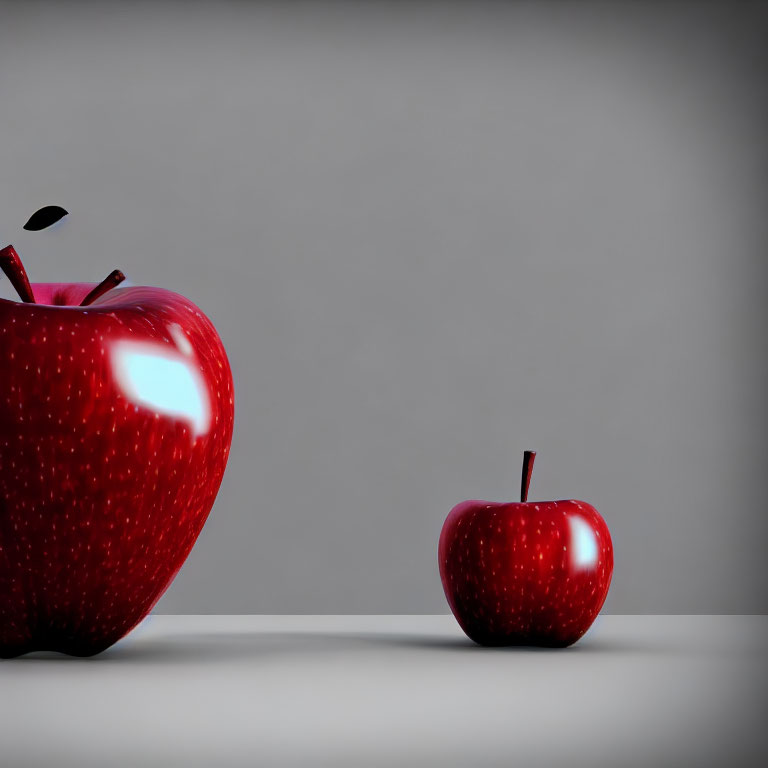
431,236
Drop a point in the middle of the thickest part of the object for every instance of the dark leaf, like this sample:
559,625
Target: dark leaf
45,217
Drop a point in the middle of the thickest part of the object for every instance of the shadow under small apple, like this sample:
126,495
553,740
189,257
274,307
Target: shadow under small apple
255,646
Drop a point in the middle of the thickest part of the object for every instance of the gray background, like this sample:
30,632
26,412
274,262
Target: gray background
431,236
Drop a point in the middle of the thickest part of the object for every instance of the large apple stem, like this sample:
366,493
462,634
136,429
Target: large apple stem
114,278
11,264
528,458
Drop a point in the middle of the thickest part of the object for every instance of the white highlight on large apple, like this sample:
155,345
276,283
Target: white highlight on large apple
158,377
583,542
180,338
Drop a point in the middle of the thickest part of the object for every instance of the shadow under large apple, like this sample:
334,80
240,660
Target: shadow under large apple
254,646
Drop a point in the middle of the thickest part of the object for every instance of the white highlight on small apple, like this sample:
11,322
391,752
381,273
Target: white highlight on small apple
583,542
157,376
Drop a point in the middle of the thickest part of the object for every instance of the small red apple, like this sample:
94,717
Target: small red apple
528,573
116,414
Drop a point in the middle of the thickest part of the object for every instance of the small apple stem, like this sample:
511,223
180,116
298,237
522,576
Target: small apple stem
114,278
528,458
11,264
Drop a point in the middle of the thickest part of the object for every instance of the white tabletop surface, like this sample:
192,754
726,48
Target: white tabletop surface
394,690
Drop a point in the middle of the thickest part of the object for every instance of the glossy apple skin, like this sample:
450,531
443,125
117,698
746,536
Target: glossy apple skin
102,495
534,573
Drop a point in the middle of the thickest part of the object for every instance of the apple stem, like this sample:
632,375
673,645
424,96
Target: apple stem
114,278
528,458
11,264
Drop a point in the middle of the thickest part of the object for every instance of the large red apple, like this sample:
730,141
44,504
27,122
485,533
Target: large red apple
528,573
116,413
